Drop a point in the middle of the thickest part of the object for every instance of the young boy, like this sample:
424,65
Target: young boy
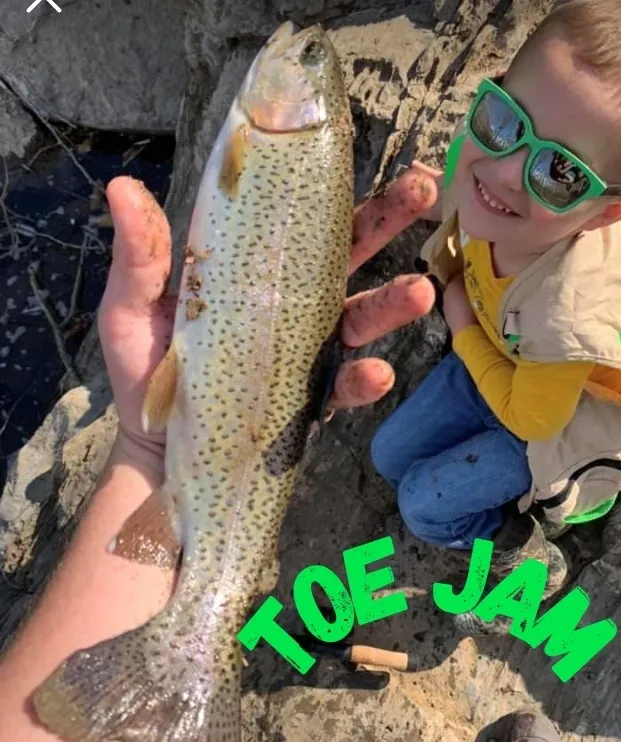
527,407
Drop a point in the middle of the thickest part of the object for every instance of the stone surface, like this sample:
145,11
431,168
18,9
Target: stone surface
409,80
17,127
108,65
236,18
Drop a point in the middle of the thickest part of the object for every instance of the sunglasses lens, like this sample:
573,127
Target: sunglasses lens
557,180
495,124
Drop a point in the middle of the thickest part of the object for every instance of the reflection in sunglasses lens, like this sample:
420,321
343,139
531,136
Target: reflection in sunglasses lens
495,124
557,180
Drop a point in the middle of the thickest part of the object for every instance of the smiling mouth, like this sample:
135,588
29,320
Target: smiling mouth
492,202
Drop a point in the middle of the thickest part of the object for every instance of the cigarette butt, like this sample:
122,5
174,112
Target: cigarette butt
360,654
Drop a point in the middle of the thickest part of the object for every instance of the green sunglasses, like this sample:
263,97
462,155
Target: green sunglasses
553,176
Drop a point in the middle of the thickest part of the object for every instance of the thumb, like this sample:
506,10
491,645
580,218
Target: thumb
141,250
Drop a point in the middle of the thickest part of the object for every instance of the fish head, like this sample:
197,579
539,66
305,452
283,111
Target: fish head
295,82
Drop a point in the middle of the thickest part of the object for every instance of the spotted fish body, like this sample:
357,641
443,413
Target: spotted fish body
262,293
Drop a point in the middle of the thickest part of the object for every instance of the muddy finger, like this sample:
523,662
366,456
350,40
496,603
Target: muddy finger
371,314
383,217
361,382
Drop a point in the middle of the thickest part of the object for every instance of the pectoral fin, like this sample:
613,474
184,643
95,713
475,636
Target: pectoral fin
233,161
161,392
149,536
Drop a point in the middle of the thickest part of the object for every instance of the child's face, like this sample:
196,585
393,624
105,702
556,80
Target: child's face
568,105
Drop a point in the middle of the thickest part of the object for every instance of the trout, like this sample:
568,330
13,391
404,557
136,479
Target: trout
262,293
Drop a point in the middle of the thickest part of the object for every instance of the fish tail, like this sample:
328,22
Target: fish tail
133,687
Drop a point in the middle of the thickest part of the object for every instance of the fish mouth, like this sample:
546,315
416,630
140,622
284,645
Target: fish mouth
285,31
288,30
283,91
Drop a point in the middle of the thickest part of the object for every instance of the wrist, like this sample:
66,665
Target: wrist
146,456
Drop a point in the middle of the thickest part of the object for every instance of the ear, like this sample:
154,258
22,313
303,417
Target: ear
610,215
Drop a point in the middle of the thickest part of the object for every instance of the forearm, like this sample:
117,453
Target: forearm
535,400
93,595
490,370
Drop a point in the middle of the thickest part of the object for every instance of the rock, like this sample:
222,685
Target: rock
232,19
50,480
445,10
110,65
16,124
410,81
48,483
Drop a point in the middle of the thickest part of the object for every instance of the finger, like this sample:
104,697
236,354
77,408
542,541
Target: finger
383,217
371,314
361,382
141,251
432,171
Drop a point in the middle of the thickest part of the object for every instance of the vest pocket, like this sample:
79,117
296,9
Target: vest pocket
579,471
586,491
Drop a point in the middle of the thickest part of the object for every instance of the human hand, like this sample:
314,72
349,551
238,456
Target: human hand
372,314
458,312
136,319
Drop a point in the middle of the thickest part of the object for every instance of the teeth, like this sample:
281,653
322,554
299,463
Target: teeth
494,204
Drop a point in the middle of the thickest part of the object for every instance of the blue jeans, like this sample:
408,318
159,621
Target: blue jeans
453,464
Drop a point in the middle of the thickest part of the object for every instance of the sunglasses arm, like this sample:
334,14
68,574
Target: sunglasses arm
613,190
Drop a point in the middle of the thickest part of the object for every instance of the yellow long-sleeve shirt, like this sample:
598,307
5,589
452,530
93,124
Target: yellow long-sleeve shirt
533,400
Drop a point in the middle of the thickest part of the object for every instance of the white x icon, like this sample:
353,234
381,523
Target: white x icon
51,2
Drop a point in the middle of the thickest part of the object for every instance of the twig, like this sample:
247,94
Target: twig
26,231
17,215
70,154
36,155
8,414
76,285
29,232
67,192
56,136
94,238
5,188
5,182
16,252
56,332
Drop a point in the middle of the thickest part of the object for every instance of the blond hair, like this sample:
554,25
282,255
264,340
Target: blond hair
591,27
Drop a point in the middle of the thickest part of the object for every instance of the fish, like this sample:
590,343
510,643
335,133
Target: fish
247,374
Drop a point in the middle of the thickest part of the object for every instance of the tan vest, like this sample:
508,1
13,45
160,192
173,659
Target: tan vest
566,306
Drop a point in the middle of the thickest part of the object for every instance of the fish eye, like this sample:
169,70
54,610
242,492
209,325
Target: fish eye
313,54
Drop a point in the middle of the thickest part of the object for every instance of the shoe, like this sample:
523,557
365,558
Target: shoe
522,726
519,539
552,529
